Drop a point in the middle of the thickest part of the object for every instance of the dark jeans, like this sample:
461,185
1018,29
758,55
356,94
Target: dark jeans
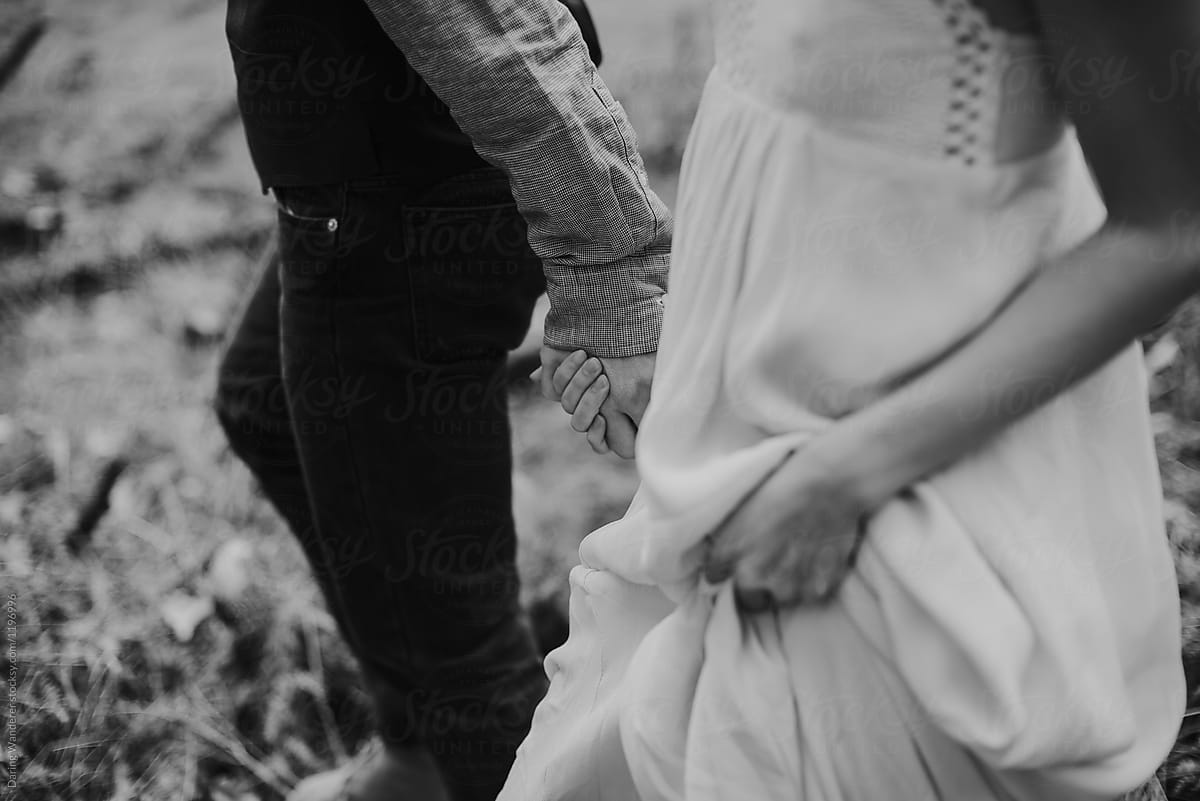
365,389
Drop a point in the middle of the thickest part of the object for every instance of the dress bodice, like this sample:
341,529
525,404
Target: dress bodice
933,78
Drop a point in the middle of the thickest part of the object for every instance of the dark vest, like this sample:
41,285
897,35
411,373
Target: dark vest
326,96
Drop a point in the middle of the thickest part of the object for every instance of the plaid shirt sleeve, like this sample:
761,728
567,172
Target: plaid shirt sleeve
517,78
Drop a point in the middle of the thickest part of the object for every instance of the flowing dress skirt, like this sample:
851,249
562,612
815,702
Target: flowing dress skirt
1011,627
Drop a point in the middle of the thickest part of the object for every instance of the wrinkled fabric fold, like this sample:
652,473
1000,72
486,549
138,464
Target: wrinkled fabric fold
1010,631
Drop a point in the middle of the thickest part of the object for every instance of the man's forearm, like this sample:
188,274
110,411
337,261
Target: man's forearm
518,80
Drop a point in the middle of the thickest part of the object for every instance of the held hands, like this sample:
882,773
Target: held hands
605,397
793,539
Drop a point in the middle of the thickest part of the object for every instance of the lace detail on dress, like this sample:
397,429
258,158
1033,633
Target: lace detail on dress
734,20
974,82
937,79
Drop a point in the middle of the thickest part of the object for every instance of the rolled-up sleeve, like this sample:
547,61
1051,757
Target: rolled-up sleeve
518,80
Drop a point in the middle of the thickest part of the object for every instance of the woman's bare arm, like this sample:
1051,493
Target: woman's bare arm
1121,69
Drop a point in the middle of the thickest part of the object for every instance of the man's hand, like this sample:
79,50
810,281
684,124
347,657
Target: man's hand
605,397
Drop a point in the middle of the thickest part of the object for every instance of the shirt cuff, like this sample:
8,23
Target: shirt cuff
609,320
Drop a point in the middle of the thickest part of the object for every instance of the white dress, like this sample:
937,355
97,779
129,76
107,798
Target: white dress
866,181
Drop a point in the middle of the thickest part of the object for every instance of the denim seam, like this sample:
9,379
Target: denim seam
347,429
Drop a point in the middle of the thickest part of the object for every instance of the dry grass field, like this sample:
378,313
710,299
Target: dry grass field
169,643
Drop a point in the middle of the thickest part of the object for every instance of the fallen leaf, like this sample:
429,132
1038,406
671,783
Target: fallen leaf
183,613
44,219
203,325
1162,355
123,502
229,572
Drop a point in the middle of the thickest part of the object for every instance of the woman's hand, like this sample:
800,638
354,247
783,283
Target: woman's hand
605,397
579,384
794,538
